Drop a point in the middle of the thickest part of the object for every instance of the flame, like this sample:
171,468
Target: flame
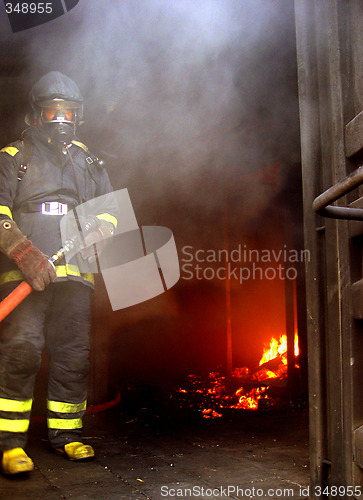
276,350
296,349
274,353
279,348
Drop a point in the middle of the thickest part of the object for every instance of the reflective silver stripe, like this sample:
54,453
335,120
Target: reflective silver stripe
53,208
64,423
59,407
8,425
13,405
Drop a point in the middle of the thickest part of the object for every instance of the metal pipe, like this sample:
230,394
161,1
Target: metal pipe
322,204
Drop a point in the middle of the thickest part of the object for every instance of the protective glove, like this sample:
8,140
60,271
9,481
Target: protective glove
35,266
99,237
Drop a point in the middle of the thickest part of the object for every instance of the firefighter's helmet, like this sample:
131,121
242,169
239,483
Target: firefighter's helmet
57,106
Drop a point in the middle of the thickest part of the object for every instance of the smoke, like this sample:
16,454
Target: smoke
185,100
182,99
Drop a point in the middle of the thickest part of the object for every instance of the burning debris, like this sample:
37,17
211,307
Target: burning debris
261,388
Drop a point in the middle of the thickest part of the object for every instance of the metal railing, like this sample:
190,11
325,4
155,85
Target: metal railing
322,205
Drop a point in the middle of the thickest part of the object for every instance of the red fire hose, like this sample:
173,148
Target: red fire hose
14,298
24,289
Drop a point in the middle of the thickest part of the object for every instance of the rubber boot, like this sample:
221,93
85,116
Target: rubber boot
77,451
15,461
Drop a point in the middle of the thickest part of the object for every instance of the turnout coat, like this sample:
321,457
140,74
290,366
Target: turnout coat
27,193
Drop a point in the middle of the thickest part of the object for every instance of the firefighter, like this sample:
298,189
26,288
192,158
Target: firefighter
43,177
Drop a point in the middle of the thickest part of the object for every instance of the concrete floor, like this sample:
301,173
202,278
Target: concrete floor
156,455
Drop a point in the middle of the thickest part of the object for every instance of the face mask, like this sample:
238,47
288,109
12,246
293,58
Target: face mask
58,122
58,114
60,133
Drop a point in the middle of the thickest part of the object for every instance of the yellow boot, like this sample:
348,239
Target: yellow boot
15,461
77,451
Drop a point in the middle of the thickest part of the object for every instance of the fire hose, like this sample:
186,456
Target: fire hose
24,289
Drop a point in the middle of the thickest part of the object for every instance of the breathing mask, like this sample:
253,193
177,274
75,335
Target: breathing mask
57,107
58,118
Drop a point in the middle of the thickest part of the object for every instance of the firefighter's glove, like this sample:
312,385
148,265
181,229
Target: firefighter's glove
96,240
35,266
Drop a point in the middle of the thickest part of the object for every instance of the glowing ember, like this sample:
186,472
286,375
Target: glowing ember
209,413
272,366
249,401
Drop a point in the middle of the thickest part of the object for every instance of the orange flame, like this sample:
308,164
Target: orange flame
275,350
275,353
279,348
296,348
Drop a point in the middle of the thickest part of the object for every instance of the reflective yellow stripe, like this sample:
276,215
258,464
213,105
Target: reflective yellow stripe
62,272
11,276
13,425
67,269
64,423
71,270
13,405
10,150
108,218
4,210
59,407
81,145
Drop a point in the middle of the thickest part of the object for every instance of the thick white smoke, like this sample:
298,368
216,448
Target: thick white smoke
198,92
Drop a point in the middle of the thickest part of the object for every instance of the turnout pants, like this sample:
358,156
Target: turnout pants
58,317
